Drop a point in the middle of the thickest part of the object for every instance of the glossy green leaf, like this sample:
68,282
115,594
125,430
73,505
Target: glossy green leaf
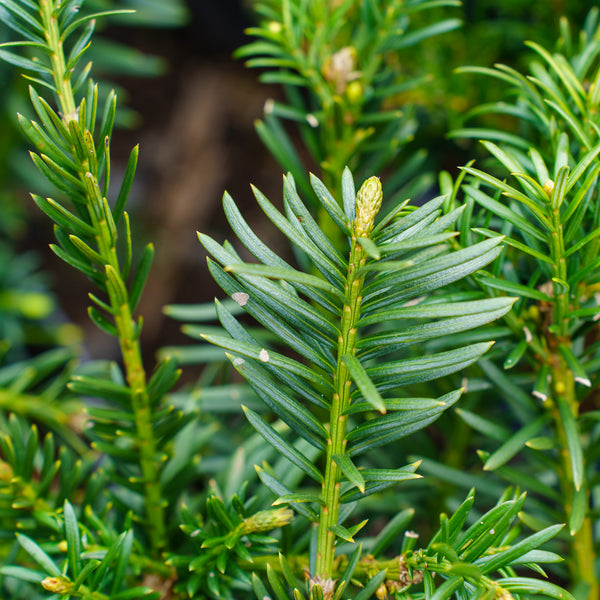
292,412
526,585
259,353
102,322
21,62
489,530
370,247
307,223
515,443
348,573
515,355
456,522
280,299
401,474
310,387
592,236
488,428
516,244
87,18
329,203
504,212
482,525
364,383
40,557
480,133
399,404
348,195
62,217
272,322
426,368
576,208
89,253
560,188
414,281
581,167
512,554
367,592
434,310
22,573
391,227
510,287
350,471
575,365
141,275
384,429
73,541
282,273
341,532
126,184
163,378
295,498
415,37
379,345
56,175
573,439
448,588
293,455
279,489
579,510
255,246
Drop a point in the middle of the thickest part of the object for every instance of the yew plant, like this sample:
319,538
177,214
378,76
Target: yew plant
336,347
543,196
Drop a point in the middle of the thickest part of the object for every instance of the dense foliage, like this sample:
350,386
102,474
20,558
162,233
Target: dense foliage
468,317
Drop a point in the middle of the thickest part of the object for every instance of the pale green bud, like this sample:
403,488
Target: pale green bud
502,594
549,187
57,585
355,92
265,520
368,203
6,471
275,27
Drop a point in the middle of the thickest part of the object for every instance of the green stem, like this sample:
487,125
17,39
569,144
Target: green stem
336,444
127,330
62,78
582,554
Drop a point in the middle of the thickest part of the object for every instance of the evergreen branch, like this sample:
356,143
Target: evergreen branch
347,380
79,164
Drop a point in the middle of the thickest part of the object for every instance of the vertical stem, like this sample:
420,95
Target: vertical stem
62,78
336,444
582,555
127,330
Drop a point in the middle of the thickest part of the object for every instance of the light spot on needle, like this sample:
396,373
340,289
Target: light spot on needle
240,297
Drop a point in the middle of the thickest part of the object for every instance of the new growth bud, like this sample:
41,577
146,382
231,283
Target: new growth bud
57,585
549,187
368,203
265,520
